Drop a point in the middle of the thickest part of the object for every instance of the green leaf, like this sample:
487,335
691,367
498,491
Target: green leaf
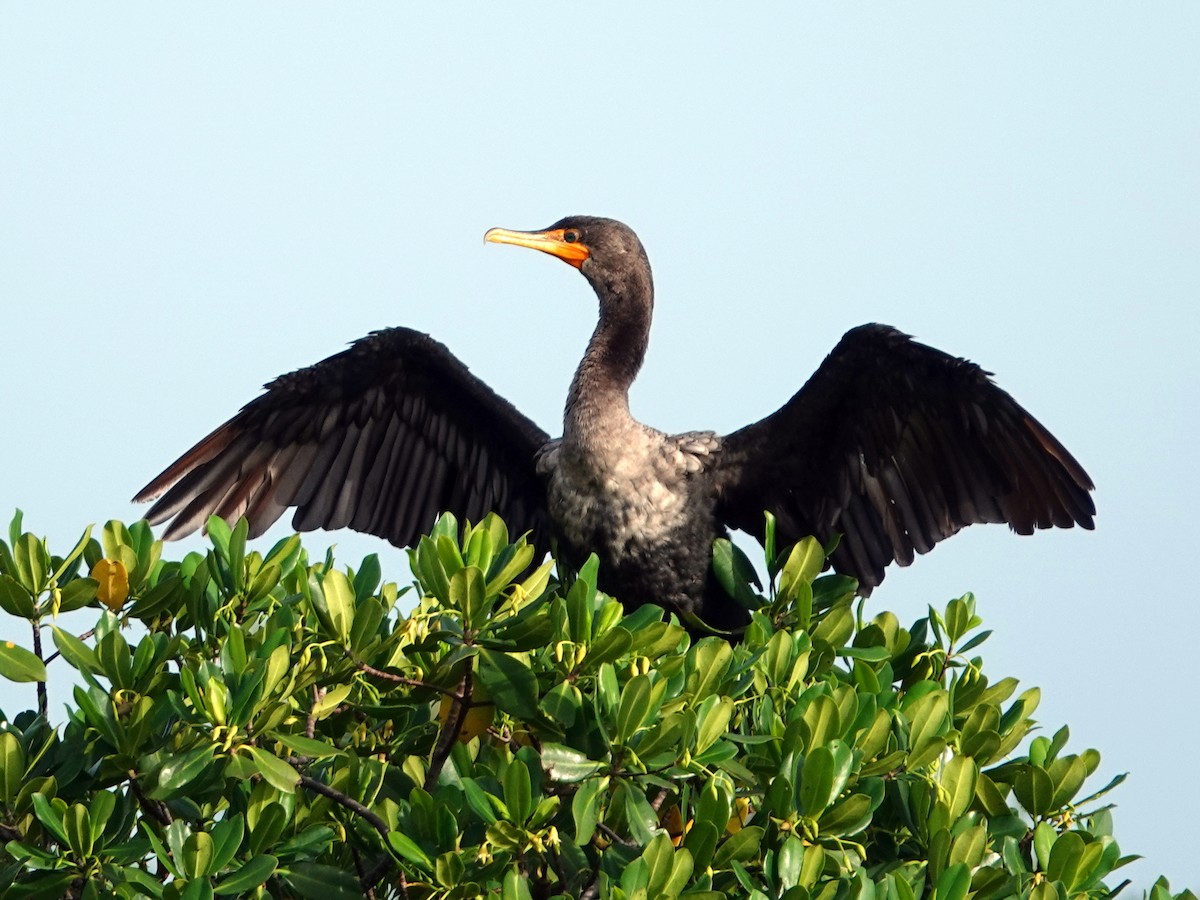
532,629
12,768
32,563
483,804
804,563
1034,790
50,814
658,856
924,755
740,846
867,654
18,664
75,651
634,708
330,700
322,882
1044,838
707,663
406,848
518,791
1067,774
510,683
953,883
969,847
237,554
278,773
823,776
735,573
567,765
181,770
928,715
198,852
100,809
1043,891
368,577
639,814
338,596
563,703
701,842
712,721
15,526
305,746
264,581
813,865
515,886
468,593
581,601
585,808
821,721
249,876
847,817
78,827
1065,858
227,836
15,599
958,781
507,567
428,568
77,593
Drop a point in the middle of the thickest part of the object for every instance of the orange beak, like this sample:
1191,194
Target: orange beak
552,242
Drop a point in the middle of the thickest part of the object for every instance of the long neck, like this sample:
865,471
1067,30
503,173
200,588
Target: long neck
599,396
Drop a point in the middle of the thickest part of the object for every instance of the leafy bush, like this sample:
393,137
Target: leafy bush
257,725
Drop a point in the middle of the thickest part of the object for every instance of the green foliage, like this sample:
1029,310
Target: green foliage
249,724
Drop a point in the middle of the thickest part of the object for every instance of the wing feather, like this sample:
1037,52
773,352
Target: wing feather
897,446
380,437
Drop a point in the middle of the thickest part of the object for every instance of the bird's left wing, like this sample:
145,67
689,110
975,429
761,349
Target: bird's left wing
895,446
379,438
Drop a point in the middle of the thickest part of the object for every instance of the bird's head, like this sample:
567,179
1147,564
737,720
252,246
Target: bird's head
606,251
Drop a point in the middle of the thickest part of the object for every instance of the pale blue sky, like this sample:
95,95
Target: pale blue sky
196,199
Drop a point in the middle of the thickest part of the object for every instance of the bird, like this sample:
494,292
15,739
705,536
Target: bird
890,447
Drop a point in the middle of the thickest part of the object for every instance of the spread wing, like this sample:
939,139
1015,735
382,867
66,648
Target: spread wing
379,438
896,446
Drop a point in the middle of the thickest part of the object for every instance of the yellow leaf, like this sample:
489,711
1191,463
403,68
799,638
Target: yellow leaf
742,811
479,717
114,582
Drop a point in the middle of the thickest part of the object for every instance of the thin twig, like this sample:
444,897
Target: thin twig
400,679
320,787
375,874
42,698
450,729
367,889
556,864
614,837
156,809
310,724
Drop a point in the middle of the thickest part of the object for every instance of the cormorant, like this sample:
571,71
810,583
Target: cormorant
892,444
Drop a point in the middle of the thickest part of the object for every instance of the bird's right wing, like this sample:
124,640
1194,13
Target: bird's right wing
379,438
895,446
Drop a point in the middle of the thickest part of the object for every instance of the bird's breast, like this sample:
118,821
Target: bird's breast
628,494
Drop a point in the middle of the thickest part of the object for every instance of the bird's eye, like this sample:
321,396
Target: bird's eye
571,236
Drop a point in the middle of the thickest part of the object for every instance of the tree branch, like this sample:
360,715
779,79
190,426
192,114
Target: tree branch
450,728
320,787
43,699
400,679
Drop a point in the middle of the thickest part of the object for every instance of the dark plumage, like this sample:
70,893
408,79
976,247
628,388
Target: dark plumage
893,444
